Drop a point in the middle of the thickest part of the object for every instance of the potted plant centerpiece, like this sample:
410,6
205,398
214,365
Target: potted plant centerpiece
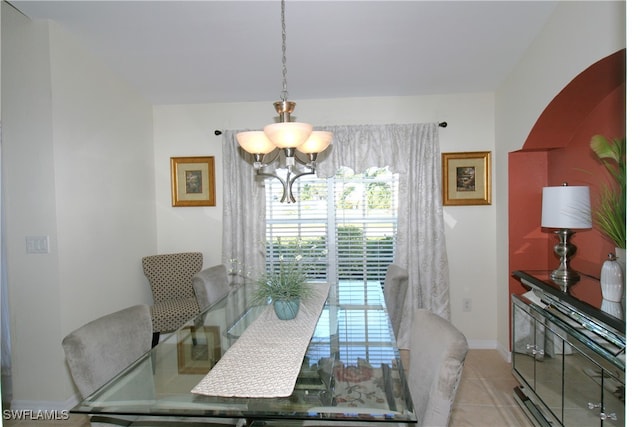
285,287
610,213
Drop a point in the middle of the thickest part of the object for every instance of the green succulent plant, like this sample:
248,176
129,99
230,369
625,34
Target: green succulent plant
610,212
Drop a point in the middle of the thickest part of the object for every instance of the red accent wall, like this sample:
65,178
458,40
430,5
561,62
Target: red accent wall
556,151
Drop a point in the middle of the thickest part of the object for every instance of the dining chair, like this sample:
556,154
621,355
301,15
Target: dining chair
174,301
396,282
437,355
211,285
100,349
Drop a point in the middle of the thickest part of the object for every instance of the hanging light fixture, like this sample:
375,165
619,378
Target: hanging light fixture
286,135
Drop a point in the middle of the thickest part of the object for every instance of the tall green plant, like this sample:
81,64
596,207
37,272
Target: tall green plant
288,281
288,284
610,214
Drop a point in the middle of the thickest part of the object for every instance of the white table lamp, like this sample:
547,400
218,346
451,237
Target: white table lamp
566,208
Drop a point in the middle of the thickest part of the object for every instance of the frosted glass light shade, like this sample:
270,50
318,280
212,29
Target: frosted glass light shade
316,143
255,142
288,134
566,207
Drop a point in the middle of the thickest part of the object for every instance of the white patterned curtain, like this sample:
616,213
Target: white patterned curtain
413,151
243,210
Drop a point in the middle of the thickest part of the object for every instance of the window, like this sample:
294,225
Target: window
344,227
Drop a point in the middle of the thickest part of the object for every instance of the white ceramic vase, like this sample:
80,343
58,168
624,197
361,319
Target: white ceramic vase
621,257
611,280
613,308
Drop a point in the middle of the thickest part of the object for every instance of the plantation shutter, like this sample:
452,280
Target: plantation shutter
344,227
299,228
365,223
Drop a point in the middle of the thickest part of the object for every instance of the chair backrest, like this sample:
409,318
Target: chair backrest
210,285
396,283
170,275
99,350
438,351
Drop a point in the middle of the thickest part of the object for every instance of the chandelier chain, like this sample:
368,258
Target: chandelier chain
285,137
285,94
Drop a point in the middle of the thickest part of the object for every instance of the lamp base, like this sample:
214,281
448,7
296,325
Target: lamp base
564,276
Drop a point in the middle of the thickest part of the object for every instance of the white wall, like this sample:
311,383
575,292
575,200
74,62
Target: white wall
79,150
77,164
577,35
188,130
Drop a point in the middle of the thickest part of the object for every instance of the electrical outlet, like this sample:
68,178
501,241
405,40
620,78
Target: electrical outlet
466,304
37,244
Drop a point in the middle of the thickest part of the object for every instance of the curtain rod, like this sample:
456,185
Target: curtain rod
441,124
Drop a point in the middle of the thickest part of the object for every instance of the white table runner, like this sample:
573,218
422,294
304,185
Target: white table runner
266,359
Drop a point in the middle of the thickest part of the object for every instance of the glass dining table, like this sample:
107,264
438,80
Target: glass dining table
351,369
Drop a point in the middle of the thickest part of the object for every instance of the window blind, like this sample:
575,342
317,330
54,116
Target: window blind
343,227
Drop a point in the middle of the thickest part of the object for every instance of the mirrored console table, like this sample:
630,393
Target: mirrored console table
568,353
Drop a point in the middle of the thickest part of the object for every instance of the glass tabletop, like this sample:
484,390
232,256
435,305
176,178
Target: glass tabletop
351,370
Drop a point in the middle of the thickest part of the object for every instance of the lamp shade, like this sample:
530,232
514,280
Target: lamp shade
255,142
288,134
316,143
566,207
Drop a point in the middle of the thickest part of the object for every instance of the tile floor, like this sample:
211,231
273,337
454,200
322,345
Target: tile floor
484,397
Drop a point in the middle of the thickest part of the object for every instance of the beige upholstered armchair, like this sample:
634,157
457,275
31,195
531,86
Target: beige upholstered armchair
174,301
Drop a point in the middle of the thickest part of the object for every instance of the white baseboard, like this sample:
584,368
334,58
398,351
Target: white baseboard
505,353
42,405
490,345
482,344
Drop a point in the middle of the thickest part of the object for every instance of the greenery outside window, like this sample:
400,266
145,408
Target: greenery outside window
344,227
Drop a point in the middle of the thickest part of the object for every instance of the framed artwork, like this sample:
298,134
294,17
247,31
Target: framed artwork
466,178
192,181
198,349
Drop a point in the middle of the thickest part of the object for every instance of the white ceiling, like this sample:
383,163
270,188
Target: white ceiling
230,51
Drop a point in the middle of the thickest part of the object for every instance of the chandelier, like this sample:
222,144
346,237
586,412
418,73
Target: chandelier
299,143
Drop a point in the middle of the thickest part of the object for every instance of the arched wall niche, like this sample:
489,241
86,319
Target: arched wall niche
557,150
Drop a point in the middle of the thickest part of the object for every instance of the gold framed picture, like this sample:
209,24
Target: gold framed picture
198,349
192,181
466,178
